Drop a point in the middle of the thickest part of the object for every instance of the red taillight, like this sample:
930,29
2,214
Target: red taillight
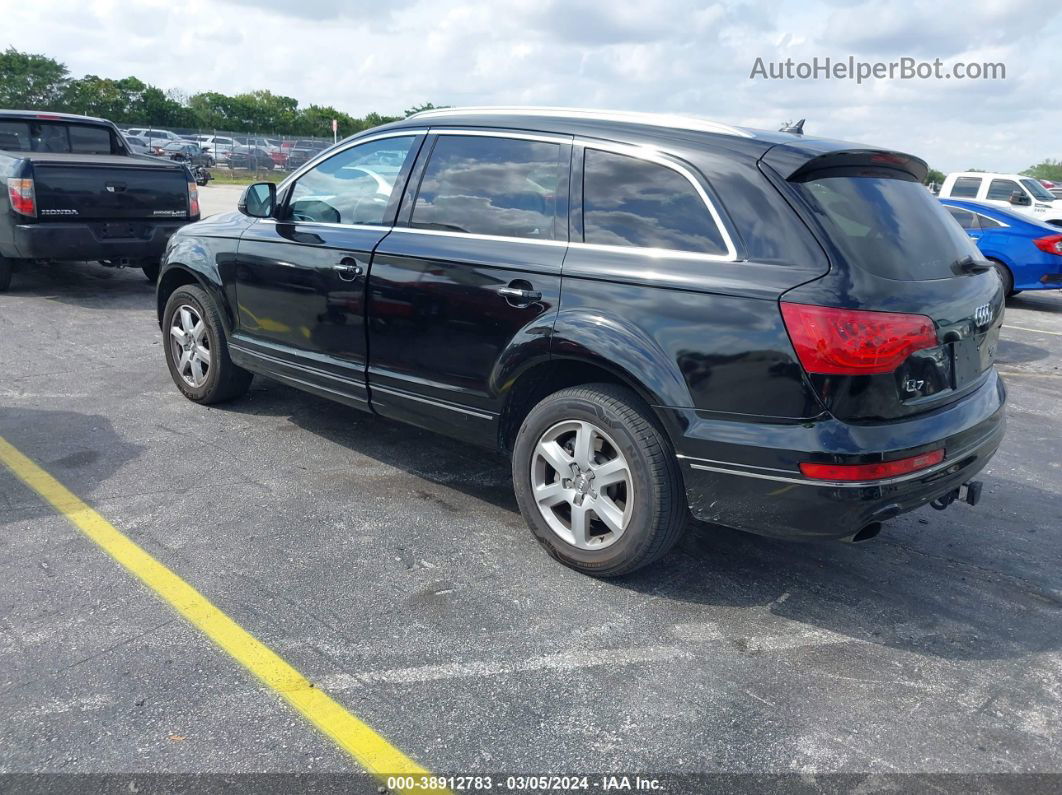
193,200
20,192
878,471
1052,244
855,342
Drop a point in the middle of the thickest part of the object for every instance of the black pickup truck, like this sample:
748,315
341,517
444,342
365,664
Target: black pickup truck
75,191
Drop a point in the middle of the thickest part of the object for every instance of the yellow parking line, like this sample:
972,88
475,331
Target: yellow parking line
351,734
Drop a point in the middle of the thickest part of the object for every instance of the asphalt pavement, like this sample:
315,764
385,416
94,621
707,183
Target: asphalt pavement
390,567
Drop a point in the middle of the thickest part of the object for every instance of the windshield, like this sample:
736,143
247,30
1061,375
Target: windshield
1037,190
31,135
889,226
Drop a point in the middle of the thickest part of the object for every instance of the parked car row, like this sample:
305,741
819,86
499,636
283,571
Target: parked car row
230,151
1016,222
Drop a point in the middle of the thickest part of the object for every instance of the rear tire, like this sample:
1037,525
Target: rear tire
1006,277
7,267
198,358
627,478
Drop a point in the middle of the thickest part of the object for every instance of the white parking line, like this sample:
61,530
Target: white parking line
1033,330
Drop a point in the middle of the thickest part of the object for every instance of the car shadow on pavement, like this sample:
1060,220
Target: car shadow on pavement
927,585
81,451
84,284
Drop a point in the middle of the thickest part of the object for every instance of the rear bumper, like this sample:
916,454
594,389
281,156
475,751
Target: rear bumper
747,476
91,240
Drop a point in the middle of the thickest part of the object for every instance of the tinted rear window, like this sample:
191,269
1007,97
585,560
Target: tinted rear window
966,187
31,135
891,227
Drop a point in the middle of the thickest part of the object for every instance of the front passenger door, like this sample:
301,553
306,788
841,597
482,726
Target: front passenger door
300,278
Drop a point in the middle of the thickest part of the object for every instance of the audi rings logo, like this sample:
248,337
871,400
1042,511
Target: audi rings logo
983,315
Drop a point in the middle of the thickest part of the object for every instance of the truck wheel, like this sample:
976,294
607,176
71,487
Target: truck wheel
197,353
151,269
6,268
597,480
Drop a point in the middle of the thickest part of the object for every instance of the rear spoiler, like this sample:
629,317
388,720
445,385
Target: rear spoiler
795,163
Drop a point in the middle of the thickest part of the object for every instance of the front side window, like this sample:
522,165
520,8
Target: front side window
1000,189
628,201
966,187
354,186
1038,190
490,186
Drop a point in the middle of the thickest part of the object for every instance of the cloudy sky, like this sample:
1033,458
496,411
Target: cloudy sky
650,55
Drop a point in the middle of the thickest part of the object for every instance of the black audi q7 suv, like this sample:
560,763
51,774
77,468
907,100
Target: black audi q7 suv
652,315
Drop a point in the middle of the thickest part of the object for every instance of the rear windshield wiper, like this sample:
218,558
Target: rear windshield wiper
971,264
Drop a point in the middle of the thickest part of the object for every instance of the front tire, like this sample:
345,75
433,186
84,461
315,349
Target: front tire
197,353
597,481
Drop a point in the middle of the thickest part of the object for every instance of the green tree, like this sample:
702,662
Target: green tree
425,106
934,176
31,82
1048,169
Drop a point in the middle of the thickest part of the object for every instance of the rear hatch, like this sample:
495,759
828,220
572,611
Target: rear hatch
70,187
924,309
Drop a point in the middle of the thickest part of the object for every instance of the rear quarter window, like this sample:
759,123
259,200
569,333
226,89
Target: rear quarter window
885,224
631,202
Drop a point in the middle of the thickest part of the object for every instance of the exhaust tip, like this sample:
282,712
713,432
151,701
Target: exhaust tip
867,533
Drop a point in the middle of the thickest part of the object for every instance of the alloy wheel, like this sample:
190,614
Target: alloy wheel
190,346
582,484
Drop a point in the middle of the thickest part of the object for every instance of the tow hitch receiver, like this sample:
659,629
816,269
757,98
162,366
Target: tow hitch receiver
969,492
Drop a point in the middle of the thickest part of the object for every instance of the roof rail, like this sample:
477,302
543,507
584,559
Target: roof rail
674,121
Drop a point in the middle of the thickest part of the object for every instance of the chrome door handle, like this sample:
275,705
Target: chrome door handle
515,295
348,269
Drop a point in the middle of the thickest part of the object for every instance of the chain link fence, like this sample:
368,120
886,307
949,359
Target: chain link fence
258,155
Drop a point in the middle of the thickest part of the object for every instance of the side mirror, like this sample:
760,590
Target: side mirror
1017,197
258,200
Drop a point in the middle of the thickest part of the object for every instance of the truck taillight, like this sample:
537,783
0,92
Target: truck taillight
835,341
20,192
193,200
1052,244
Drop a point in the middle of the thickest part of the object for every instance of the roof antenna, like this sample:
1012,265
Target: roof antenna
796,129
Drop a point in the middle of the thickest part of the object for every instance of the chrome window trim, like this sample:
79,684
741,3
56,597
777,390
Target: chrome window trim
672,121
476,236
653,155
996,223
501,132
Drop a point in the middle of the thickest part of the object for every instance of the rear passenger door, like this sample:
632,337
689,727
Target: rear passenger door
468,280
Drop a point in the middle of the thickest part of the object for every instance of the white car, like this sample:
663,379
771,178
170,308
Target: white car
154,138
220,146
1022,195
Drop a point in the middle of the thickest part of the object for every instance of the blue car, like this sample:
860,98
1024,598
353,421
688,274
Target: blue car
1026,253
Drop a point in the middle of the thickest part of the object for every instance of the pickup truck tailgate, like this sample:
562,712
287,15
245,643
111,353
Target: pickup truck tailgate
67,191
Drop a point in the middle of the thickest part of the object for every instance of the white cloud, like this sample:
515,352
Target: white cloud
664,55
